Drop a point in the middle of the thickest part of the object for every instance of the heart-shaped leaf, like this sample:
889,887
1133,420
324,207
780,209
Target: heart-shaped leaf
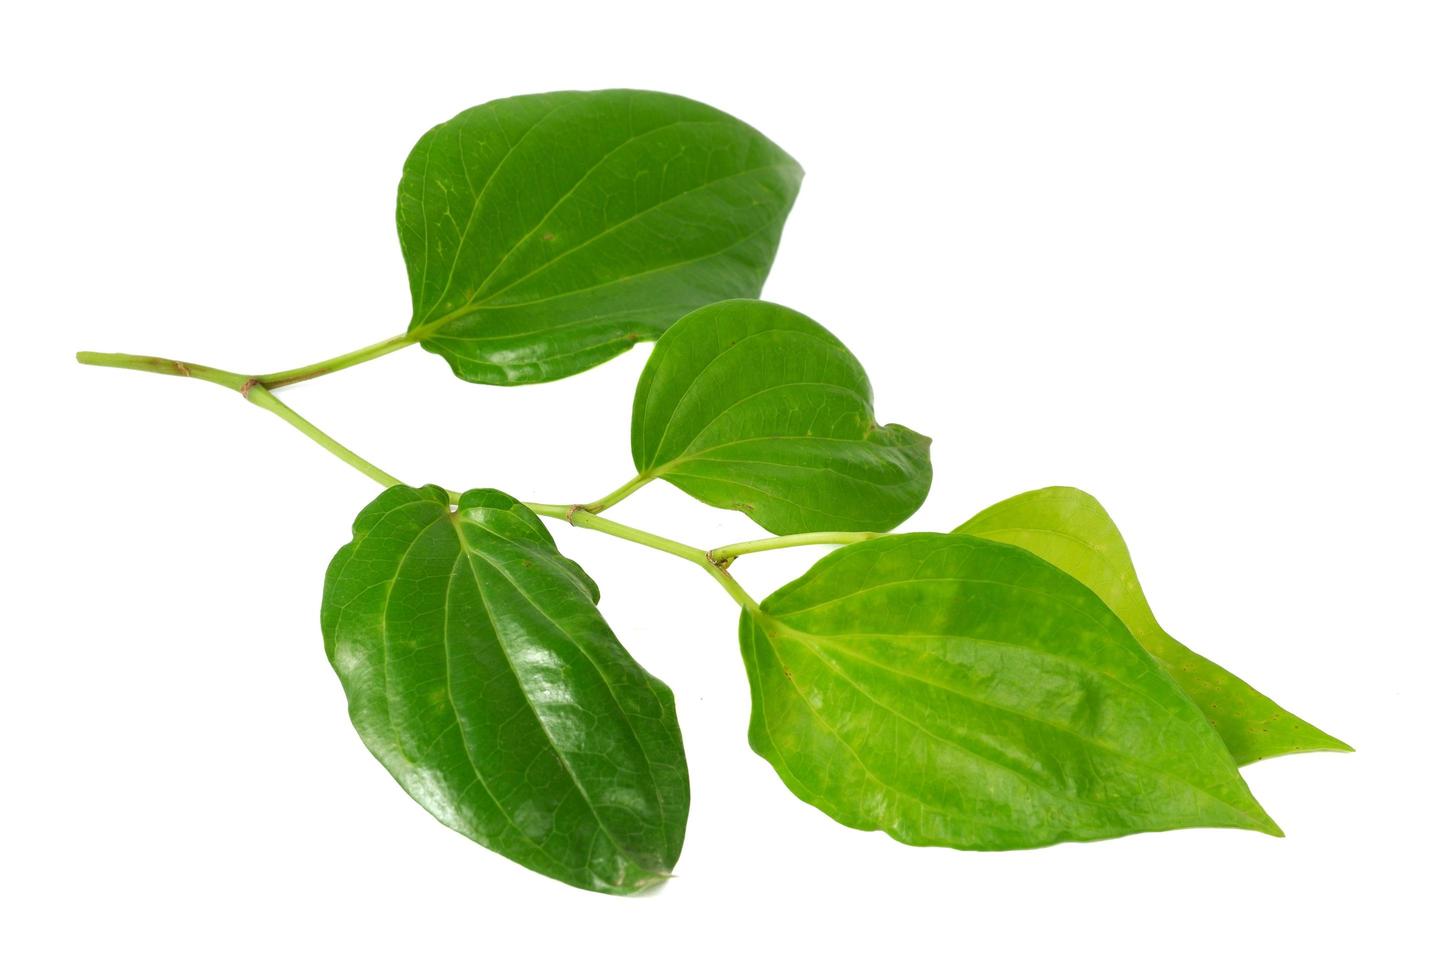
1072,531
544,234
479,672
755,407
951,690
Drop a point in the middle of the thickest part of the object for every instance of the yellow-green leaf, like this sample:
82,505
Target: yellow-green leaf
1072,531
951,690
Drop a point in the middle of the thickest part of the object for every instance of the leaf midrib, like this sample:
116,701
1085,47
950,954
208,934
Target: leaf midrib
428,327
619,707
819,336
470,553
800,508
1073,733
621,224
475,204
814,713
428,331
576,185
387,674
461,727
707,455
733,406
807,640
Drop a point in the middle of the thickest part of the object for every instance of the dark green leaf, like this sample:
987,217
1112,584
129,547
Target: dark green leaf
1071,530
755,407
478,670
951,690
545,234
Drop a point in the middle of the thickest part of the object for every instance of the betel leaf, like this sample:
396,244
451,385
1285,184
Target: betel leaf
753,406
479,672
952,690
544,234
1071,530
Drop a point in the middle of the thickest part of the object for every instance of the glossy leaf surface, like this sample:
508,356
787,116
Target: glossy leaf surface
1072,531
544,234
478,670
951,690
755,407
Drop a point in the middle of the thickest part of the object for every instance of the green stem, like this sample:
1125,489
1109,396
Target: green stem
581,517
372,351
562,511
584,518
730,552
277,379
263,398
727,582
617,495
250,388
162,365
256,391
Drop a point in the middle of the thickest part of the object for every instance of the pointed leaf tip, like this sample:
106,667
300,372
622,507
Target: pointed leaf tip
1070,529
950,690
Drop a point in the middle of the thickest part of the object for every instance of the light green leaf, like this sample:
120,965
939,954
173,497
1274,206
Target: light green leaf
755,407
951,690
479,672
544,234
1072,531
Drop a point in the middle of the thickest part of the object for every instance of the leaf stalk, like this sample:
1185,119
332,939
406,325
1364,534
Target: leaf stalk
259,395
726,554
618,494
316,370
581,517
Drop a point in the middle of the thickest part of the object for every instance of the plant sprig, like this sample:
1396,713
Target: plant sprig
1004,685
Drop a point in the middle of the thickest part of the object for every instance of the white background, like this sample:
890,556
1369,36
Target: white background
1173,254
